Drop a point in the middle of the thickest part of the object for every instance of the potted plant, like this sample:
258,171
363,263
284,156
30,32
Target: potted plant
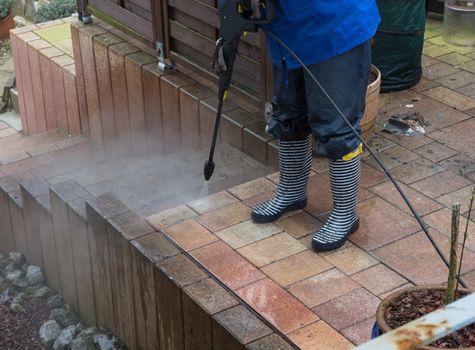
6,18
412,303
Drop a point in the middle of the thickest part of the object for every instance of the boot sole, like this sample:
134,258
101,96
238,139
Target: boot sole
261,219
322,247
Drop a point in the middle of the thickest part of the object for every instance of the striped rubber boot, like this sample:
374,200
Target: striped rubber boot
344,219
295,162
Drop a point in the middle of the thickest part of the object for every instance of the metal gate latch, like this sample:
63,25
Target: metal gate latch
162,65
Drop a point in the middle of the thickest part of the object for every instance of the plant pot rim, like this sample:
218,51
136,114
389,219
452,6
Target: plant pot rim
380,312
377,81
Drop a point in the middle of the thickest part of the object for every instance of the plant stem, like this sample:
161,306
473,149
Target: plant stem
465,236
451,283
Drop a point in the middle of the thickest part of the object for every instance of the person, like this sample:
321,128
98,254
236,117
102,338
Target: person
332,37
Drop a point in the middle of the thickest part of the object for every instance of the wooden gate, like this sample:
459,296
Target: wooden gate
189,29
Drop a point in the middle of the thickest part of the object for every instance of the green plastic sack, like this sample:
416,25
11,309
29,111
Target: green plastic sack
398,43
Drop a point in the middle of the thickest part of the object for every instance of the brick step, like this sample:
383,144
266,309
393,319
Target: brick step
16,147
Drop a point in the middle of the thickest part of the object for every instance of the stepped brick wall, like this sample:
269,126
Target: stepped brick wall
46,77
118,271
98,82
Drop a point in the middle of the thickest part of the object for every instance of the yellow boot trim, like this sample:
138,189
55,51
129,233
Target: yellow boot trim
353,154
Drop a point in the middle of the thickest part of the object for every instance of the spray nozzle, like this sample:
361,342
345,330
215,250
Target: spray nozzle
208,169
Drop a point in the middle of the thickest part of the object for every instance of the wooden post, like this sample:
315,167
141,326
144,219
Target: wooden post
451,284
465,236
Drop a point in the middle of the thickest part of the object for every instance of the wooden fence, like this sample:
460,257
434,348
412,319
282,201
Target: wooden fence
188,30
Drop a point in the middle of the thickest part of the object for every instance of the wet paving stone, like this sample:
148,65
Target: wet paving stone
439,184
241,323
415,170
213,202
211,296
435,151
359,333
461,196
285,273
351,260
320,336
300,224
379,279
278,306
457,80
225,217
323,287
421,203
440,220
415,259
451,98
246,233
171,217
227,265
190,235
381,223
272,341
271,249
348,309
252,188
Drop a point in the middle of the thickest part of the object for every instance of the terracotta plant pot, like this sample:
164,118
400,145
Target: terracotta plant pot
5,25
372,105
381,320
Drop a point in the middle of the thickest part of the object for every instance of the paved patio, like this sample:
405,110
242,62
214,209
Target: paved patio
319,301
328,301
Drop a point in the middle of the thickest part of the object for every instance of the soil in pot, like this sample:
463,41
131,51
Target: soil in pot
412,305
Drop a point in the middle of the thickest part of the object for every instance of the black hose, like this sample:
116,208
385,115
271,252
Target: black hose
388,174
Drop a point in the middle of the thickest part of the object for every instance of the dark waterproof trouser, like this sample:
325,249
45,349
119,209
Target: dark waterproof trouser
300,108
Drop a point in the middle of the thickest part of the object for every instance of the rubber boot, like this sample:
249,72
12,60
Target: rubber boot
295,163
344,219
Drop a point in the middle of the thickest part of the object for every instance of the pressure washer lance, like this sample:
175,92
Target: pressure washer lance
234,22
365,144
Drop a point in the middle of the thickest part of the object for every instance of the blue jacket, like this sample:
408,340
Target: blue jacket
318,30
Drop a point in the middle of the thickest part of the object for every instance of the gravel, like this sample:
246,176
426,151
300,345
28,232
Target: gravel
20,330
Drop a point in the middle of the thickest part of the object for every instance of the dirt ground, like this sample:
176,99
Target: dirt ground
20,330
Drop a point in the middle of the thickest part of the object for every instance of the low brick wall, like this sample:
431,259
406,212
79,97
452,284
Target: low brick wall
121,273
109,88
46,82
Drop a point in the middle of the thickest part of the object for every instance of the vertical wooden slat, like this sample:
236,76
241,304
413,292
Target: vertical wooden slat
82,259
190,97
27,86
36,81
117,53
86,35
73,109
153,106
81,89
170,86
101,44
135,93
57,64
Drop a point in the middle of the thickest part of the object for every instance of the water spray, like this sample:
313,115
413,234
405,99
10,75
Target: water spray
228,17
